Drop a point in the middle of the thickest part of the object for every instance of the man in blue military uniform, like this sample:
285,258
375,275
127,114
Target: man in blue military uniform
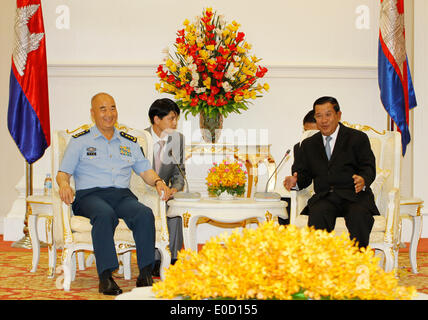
101,160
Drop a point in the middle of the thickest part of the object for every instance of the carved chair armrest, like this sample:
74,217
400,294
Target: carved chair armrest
66,222
392,217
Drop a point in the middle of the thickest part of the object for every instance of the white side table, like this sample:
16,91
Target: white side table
411,207
41,207
222,211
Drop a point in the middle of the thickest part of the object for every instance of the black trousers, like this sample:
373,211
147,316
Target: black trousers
104,207
358,219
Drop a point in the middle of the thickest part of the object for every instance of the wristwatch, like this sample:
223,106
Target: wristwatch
157,180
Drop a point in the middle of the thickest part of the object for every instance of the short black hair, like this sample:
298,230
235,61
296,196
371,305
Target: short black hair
310,117
161,108
326,99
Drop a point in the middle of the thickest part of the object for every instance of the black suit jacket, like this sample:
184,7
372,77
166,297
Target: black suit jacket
352,154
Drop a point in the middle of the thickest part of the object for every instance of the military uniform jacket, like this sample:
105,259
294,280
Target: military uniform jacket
94,161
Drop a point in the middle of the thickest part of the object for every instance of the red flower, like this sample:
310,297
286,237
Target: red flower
203,97
211,67
261,72
223,51
239,37
171,78
232,47
214,91
189,89
194,102
210,27
218,75
211,100
201,68
221,102
228,95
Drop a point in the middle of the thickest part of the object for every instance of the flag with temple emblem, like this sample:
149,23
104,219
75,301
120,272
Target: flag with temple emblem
395,81
28,113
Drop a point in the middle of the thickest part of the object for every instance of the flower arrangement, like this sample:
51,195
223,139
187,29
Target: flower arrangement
211,71
280,262
227,177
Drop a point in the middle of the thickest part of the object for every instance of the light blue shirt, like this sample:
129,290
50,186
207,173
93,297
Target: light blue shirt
94,161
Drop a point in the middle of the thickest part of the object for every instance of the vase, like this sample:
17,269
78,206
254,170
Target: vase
210,127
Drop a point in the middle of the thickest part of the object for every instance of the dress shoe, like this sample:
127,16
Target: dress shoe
109,287
145,277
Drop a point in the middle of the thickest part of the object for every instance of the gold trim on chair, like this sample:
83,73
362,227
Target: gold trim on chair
362,127
186,218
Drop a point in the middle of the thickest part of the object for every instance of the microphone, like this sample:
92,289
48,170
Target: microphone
271,196
184,196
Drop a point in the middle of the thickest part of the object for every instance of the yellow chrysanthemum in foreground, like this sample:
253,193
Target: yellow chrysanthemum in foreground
277,262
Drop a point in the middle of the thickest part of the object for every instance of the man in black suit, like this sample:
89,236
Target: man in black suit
342,166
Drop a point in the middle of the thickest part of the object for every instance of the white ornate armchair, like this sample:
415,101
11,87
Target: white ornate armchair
386,231
73,233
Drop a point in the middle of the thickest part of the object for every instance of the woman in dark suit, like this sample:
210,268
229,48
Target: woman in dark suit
340,162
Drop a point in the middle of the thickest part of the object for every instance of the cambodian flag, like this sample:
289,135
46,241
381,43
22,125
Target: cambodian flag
28,114
395,81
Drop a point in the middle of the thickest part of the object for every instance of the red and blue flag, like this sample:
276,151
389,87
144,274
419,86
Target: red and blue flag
395,81
28,113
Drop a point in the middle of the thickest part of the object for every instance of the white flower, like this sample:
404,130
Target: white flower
192,68
200,90
226,86
189,59
193,83
195,75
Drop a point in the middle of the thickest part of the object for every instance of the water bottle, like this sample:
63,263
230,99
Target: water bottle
47,190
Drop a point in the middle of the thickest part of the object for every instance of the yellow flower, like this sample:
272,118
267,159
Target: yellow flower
211,47
186,22
207,82
266,86
277,262
203,54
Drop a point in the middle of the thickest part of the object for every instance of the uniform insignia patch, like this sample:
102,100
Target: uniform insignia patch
91,151
125,151
77,135
128,136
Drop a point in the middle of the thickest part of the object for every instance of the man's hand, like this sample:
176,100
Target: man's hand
290,181
161,186
358,182
66,193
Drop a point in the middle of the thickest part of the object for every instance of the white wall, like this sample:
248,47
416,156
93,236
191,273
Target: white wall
310,47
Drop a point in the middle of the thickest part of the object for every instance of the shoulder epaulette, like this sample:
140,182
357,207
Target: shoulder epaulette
77,135
128,136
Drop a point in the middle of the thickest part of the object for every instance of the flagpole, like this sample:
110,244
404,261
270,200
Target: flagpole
25,241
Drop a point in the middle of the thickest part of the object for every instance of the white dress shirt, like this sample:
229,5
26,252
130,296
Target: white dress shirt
333,138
